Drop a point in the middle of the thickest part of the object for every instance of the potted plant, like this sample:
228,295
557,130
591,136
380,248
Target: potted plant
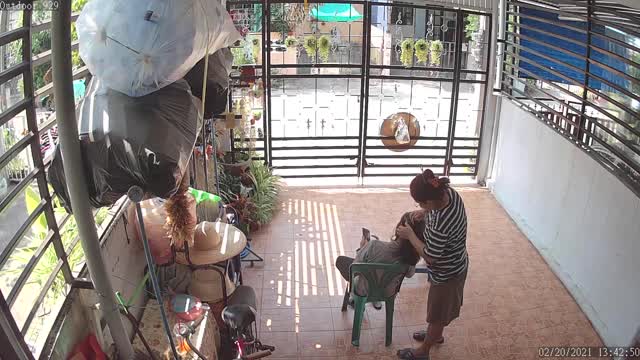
290,42
324,47
310,44
435,51
264,195
236,162
406,55
422,50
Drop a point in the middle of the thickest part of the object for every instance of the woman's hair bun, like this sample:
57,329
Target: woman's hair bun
428,174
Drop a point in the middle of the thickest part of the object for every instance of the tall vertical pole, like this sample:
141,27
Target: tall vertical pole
76,182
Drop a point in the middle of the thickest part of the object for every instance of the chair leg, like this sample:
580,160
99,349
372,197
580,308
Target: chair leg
389,307
360,303
345,300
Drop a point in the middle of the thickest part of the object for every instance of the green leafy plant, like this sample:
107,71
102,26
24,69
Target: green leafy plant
435,51
422,50
255,42
290,42
324,47
310,45
49,259
264,196
406,54
471,25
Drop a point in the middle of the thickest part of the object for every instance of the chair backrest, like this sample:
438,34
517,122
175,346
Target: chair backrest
378,278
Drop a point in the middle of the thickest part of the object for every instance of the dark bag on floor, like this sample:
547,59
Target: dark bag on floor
125,141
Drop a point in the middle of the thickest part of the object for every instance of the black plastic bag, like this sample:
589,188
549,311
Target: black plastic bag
220,65
125,141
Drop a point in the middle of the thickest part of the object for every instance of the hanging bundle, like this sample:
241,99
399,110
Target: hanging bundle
324,47
422,50
290,42
406,56
310,44
436,48
255,42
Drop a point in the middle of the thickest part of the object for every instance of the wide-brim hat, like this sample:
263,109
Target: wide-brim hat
214,242
389,127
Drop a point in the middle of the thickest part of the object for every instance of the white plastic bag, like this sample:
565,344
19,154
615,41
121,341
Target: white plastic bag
137,47
402,132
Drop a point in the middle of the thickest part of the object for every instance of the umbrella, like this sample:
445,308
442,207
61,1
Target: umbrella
336,13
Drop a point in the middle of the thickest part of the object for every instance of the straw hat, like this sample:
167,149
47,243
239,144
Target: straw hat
214,242
390,125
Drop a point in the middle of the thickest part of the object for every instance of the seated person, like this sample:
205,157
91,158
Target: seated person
396,251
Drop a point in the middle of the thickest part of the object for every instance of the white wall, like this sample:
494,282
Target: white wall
583,220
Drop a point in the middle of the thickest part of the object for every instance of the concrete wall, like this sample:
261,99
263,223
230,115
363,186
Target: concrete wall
584,221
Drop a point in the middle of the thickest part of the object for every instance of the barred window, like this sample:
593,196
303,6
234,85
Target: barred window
576,66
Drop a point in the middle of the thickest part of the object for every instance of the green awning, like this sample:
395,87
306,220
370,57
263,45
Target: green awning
335,13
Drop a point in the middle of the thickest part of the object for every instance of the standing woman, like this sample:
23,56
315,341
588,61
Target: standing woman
445,252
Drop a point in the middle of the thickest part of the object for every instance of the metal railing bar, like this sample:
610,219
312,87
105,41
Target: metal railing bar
13,71
41,296
15,150
616,41
45,56
13,35
576,83
348,157
617,57
46,25
349,147
413,147
547,21
406,156
410,78
615,151
315,138
48,89
589,118
434,138
16,190
316,76
286,167
14,110
369,166
319,175
546,57
546,32
614,169
418,68
11,245
311,66
28,269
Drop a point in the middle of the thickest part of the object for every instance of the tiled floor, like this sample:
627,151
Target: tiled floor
513,302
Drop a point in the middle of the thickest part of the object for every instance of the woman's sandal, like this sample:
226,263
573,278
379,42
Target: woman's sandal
422,334
407,354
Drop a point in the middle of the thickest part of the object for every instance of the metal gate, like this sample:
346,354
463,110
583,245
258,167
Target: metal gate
333,71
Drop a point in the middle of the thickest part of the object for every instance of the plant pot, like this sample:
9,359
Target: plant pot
236,163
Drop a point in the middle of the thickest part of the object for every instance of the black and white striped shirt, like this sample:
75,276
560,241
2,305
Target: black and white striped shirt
446,239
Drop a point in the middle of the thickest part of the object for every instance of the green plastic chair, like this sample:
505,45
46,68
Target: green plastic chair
378,278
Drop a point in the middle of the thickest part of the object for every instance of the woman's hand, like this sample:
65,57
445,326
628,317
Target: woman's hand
406,232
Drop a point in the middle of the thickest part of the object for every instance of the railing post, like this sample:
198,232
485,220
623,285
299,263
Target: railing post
76,182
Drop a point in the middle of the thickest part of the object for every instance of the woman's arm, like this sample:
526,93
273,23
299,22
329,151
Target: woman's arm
407,232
